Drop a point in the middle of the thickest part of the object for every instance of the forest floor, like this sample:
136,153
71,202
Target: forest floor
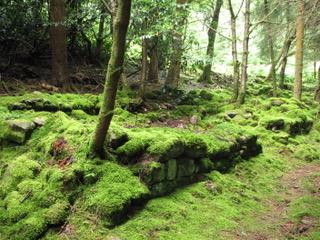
295,186
50,188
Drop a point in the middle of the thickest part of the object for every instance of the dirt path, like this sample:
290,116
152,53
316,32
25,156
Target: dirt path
276,224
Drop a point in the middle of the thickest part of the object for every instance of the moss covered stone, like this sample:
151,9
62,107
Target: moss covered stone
18,131
186,167
172,169
113,194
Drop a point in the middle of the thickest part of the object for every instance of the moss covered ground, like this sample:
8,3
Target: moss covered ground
52,188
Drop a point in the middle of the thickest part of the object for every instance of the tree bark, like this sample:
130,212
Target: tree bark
58,39
100,37
235,62
153,74
245,54
212,32
272,75
299,51
317,93
319,75
173,76
284,60
115,68
144,64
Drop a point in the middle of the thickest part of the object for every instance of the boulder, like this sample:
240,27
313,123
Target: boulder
19,131
39,121
275,124
247,115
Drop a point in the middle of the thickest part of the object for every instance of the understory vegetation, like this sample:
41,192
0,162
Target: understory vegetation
53,189
160,120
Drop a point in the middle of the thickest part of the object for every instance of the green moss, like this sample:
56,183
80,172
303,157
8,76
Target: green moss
114,192
31,227
57,213
307,152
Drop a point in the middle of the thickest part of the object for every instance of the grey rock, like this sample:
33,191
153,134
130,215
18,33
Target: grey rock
39,121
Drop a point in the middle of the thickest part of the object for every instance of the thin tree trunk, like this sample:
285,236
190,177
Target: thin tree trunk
58,39
153,74
319,75
144,64
235,62
212,32
115,68
299,51
284,60
100,37
272,75
173,76
315,70
245,54
317,93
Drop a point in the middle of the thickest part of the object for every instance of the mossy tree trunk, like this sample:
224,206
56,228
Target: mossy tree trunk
245,54
114,70
299,50
58,39
272,76
173,76
212,32
235,62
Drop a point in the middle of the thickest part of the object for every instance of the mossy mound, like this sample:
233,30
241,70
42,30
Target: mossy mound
165,158
50,187
58,102
287,114
42,179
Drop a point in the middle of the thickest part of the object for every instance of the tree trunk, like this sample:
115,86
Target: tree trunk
212,32
144,64
319,75
115,68
153,74
245,54
272,75
58,39
235,62
317,93
100,37
299,51
284,60
173,76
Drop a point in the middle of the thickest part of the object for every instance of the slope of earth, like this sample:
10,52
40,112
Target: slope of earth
180,165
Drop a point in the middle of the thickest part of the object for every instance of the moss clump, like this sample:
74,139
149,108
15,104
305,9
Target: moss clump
113,194
307,152
57,213
18,170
